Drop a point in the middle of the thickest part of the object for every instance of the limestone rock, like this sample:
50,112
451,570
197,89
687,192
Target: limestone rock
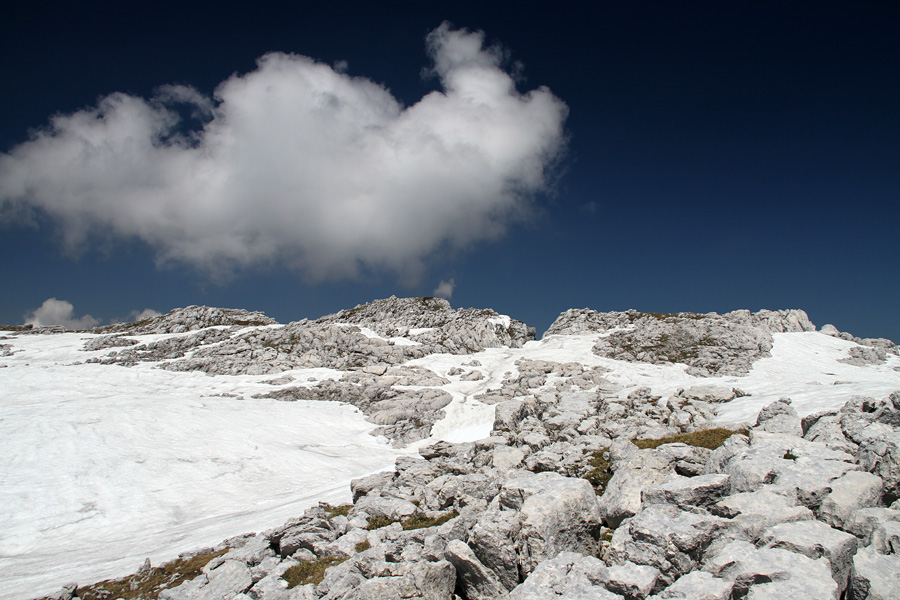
666,538
556,514
634,471
751,513
631,580
779,417
685,492
696,585
815,540
881,456
849,493
772,573
875,576
478,582
231,578
492,538
886,538
568,576
865,520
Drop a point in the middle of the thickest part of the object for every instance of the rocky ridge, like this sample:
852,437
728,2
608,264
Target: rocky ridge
583,489
709,344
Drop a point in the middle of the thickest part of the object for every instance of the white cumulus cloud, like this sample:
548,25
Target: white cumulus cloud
445,289
147,313
59,312
300,163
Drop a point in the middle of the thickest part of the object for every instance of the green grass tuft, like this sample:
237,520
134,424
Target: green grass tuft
601,471
310,571
414,522
706,438
378,522
334,511
146,585
420,522
363,546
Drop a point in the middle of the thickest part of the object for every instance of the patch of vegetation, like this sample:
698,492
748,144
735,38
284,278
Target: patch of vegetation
790,455
363,546
15,328
706,438
414,522
378,522
334,511
606,535
420,522
310,571
147,584
601,470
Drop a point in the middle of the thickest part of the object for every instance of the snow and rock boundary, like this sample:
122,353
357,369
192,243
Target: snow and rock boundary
563,415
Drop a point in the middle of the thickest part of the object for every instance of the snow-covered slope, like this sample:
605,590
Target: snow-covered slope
102,465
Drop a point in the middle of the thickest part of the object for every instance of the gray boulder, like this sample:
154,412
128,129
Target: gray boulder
631,580
568,576
412,581
222,583
863,522
779,417
815,540
875,576
477,581
684,492
666,538
886,538
634,471
492,538
849,493
696,585
556,514
751,513
881,455
772,573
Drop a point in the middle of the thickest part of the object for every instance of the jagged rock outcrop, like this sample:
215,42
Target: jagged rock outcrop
709,344
190,318
379,334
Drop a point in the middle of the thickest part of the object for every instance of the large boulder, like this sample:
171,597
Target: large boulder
556,514
881,455
875,576
634,471
666,538
772,573
849,493
477,581
569,575
815,539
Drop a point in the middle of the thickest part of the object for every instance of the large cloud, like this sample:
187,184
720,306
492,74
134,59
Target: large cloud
298,163
59,312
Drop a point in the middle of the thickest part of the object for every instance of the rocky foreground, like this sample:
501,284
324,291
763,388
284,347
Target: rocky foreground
585,489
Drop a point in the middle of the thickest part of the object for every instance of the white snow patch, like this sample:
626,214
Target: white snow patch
502,320
102,466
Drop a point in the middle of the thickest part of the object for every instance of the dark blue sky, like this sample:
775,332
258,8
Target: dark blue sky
720,155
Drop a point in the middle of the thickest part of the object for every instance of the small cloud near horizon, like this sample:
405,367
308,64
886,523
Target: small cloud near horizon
298,163
445,289
59,312
147,313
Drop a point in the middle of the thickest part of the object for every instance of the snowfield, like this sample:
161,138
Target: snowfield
102,466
